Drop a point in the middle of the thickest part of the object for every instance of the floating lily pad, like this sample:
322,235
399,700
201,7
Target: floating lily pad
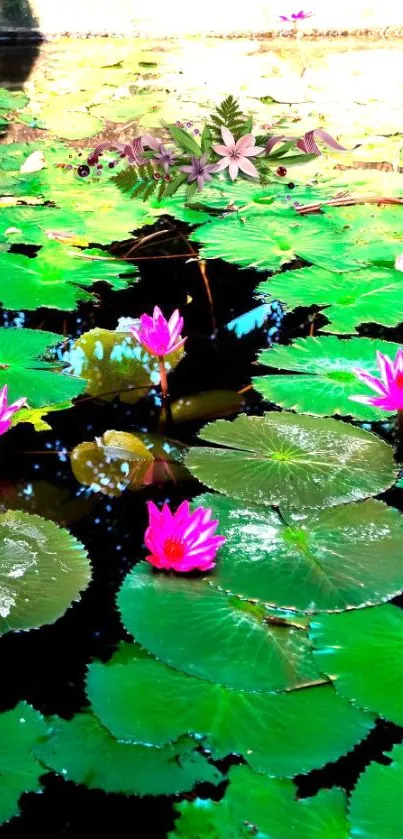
70,125
20,730
264,241
374,810
241,648
84,752
280,734
371,295
325,378
57,277
26,374
290,460
43,569
339,558
362,652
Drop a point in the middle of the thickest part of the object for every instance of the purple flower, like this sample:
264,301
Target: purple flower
199,170
296,16
165,157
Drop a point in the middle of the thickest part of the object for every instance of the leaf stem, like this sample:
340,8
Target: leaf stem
166,400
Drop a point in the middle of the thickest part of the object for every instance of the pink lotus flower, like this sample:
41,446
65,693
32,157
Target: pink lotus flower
182,541
7,411
157,335
389,388
235,155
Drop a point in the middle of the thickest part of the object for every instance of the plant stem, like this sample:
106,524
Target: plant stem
400,424
166,401
312,326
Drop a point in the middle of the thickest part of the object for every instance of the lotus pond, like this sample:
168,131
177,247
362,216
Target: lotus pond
201,341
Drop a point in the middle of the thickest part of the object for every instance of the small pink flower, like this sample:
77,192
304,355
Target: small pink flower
236,154
389,387
182,541
157,335
7,411
296,16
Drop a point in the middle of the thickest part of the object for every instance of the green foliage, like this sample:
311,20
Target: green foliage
57,277
43,569
24,370
82,751
20,731
242,648
279,734
228,114
268,807
325,378
374,810
363,653
139,182
292,461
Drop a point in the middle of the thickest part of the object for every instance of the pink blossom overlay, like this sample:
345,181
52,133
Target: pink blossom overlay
389,388
157,335
183,541
236,155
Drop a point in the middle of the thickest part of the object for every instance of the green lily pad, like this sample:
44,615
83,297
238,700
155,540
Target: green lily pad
325,378
374,809
279,734
22,369
20,730
340,558
84,752
114,363
254,805
43,569
362,652
268,241
290,460
271,805
71,125
371,295
241,648
57,277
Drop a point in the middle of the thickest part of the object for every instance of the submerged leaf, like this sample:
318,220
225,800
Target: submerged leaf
114,363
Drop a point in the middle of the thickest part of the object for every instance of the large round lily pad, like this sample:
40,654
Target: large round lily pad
295,461
280,734
362,652
335,559
43,569
323,378
197,629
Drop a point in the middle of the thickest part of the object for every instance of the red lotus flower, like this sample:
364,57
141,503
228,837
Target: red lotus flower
157,335
389,387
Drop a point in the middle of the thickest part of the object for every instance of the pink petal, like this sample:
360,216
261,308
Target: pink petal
246,166
221,150
253,151
3,398
222,164
233,169
371,381
227,137
245,142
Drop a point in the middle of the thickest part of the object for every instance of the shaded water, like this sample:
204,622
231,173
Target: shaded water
47,667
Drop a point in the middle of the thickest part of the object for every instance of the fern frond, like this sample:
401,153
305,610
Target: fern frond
227,114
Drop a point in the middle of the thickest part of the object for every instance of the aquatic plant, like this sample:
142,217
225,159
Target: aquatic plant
182,541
